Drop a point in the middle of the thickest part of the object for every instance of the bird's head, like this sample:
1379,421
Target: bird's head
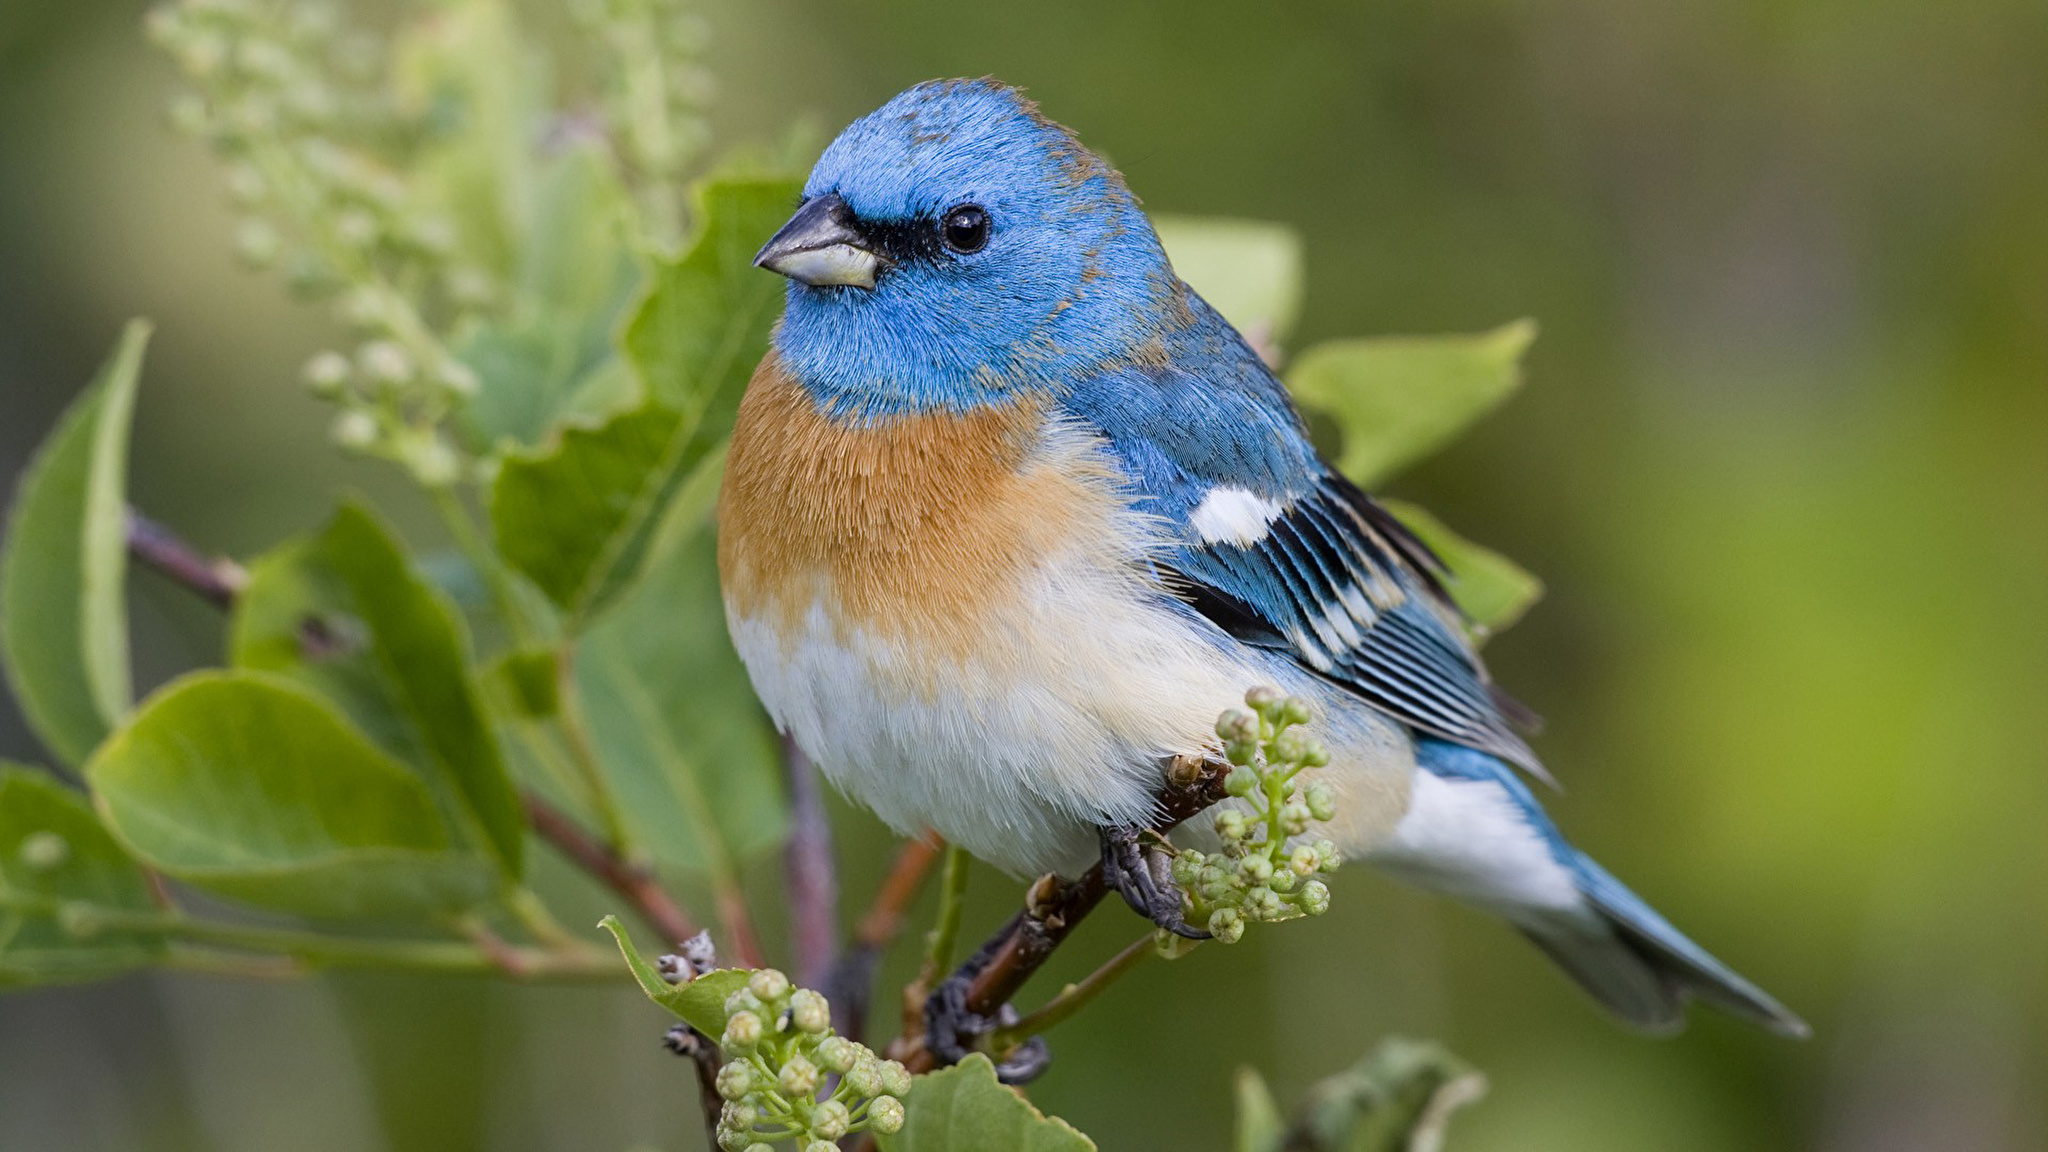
954,247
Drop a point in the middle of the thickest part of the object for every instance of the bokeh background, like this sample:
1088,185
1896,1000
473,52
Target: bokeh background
1782,459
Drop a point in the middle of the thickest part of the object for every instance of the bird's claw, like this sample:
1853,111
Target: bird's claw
952,1030
1141,869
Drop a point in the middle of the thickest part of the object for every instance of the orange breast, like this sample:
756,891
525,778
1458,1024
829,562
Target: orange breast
921,527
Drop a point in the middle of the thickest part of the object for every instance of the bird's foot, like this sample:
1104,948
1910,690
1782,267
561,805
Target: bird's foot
1139,865
952,1031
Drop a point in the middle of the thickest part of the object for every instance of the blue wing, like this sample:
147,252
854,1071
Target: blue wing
1279,550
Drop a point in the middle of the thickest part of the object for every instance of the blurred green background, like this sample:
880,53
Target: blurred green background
1782,458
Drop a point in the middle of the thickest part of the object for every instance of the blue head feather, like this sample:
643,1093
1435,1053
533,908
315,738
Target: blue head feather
1072,275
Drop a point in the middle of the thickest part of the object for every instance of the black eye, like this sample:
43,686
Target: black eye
965,228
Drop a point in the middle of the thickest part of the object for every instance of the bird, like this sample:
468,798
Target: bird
1010,514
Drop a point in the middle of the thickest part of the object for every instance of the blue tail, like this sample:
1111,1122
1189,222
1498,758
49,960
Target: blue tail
1475,831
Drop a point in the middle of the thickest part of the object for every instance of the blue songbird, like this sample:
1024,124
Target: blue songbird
1011,514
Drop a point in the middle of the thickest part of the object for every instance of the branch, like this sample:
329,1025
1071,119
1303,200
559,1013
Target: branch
633,882
1054,906
813,880
217,580
852,984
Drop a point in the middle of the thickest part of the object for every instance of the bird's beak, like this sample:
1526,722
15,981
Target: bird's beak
822,244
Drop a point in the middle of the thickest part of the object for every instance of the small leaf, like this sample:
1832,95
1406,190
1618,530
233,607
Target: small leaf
54,853
695,762
700,1003
63,622
1259,1126
966,1109
1249,270
1397,399
1491,590
1397,1099
345,614
249,786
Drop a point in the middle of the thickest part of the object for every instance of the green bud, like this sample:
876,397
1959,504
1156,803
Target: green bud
1284,880
1226,925
384,362
735,1139
458,378
434,464
355,430
815,1146
1314,898
885,1115
837,1054
1327,856
895,1078
735,1080
1304,861
809,1011
1289,746
326,374
769,984
1295,710
1316,756
866,1077
738,1115
43,851
1241,752
257,244
1242,781
742,1032
1294,817
742,1000
1187,868
798,1076
1265,700
1255,868
1322,800
1230,823
830,1121
1235,726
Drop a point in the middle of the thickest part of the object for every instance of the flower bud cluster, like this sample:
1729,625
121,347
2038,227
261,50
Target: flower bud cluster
656,95
317,150
782,1058
1267,869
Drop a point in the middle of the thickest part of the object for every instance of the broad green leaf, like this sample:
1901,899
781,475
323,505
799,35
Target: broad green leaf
343,613
1259,1126
1249,270
249,786
1397,399
703,326
63,623
694,761
700,1003
1490,589
576,514
1398,1099
54,854
966,1109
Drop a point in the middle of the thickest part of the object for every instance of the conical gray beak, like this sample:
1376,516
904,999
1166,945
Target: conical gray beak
822,244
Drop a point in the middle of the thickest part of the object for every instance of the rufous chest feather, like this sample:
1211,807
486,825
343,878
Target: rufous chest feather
916,525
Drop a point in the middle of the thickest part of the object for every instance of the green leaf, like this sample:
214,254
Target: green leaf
345,614
1491,590
694,760
1397,399
63,622
576,514
966,1109
700,1003
1259,1126
1397,1099
53,854
252,787
1249,270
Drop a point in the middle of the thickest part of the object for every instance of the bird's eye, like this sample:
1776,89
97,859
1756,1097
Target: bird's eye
965,228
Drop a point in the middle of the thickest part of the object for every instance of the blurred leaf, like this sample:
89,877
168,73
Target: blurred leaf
249,786
575,515
54,852
1259,1126
552,355
63,622
966,1109
695,762
700,1003
703,326
1249,270
1397,399
345,614
1491,590
1398,1099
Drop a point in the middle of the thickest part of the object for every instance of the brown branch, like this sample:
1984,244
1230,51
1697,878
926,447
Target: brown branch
813,879
1052,908
218,580
852,983
632,882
